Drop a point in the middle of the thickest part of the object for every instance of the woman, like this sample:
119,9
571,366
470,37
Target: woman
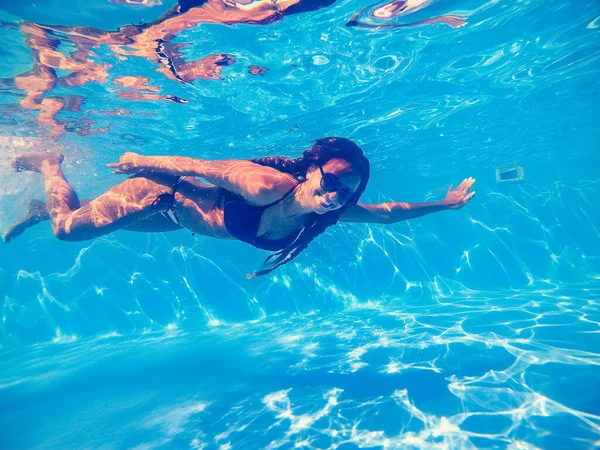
277,203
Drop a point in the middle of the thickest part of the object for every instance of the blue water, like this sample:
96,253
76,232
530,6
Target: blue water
475,328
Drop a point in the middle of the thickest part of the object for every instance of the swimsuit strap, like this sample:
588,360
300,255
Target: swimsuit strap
280,200
163,200
168,200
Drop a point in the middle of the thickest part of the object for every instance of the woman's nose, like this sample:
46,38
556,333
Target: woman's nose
332,197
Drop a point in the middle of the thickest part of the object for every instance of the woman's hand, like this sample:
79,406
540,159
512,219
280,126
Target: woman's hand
129,163
459,197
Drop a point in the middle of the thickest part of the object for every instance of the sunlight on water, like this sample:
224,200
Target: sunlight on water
474,328
484,371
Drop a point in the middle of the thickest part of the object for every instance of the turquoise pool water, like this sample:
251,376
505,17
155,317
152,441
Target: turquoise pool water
475,328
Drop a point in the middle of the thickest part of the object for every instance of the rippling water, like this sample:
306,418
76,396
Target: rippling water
463,329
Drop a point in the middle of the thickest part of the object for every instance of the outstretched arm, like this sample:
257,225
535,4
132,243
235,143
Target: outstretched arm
392,212
259,185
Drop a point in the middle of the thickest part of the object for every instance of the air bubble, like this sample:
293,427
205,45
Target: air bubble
320,60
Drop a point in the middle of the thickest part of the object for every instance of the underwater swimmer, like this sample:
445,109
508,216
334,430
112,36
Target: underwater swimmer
277,203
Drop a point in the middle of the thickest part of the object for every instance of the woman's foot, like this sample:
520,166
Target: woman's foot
36,212
36,162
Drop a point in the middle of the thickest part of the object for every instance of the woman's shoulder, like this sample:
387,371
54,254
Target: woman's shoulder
276,189
272,192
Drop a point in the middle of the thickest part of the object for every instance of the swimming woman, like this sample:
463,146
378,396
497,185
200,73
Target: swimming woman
276,204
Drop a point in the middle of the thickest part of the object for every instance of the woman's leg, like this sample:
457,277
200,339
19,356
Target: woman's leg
37,212
120,207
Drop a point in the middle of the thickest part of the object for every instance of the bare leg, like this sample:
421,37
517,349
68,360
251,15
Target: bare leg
120,207
37,213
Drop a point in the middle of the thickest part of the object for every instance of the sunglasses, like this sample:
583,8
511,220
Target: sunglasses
331,183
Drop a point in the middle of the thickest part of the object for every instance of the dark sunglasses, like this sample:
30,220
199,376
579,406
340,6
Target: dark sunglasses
331,183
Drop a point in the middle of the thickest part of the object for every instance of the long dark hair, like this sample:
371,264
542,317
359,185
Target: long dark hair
322,151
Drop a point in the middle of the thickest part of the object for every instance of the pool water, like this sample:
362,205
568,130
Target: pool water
474,328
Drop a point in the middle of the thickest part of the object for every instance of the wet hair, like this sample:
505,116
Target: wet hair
324,150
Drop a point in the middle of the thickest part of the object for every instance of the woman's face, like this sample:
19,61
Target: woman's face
318,199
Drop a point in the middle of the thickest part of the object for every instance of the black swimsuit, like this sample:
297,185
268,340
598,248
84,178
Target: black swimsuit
241,219
167,202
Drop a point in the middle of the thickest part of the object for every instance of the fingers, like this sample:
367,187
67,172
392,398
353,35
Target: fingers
449,190
466,185
471,183
118,168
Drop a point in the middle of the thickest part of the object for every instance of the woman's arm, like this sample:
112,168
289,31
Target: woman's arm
392,212
259,185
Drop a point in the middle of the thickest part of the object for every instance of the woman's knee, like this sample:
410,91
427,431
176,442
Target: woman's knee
63,233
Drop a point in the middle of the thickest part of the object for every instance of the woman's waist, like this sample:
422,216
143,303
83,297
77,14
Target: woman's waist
200,208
